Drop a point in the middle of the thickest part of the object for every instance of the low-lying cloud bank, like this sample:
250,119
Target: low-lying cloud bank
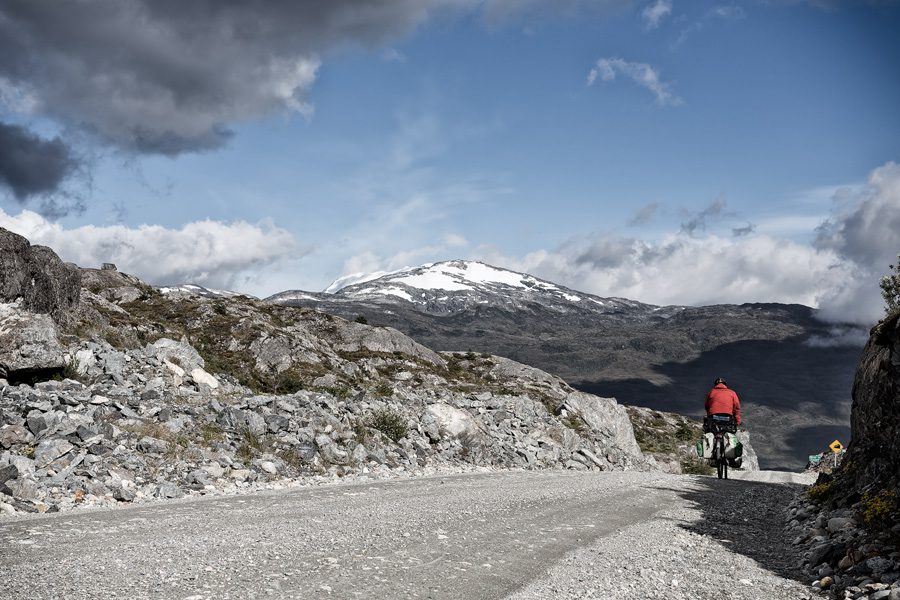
209,253
838,273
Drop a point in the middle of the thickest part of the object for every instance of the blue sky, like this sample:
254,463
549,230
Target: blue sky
474,131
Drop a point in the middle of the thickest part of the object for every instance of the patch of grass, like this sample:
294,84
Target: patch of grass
251,446
28,452
389,422
360,432
287,382
292,458
341,392
383,389
651,439
151,429
361,319
211,432
688,431
696,466
576,424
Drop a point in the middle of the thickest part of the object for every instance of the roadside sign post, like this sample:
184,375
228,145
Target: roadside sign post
837,447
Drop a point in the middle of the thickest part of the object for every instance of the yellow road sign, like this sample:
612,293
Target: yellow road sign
836,446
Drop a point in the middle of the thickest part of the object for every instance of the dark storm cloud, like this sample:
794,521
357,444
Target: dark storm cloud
168,76
31,165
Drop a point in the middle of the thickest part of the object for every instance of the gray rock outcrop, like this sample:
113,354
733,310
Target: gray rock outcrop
28,342
604,415
872,462
37,276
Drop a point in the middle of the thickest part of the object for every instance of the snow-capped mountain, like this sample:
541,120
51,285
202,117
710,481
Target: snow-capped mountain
455,286
199,290
660,357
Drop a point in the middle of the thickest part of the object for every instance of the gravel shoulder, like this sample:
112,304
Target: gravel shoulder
511,534
714,540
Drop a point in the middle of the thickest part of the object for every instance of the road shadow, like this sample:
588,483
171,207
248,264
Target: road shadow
747,517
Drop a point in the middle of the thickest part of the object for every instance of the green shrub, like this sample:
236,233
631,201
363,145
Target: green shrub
384,389
251,445
361,319
390,422
822,492
880,511
890,288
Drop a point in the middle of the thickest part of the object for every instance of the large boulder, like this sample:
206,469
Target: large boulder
606,416
449,421
28,343
872,462
37,276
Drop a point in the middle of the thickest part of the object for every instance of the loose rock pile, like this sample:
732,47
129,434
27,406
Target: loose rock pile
842,558
153,423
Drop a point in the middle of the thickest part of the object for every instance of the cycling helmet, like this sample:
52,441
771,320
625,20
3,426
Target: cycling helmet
720,380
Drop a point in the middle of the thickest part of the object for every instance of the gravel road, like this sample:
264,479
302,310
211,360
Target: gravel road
523,535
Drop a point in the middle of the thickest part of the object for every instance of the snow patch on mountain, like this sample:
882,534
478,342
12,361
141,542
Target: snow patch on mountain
357,279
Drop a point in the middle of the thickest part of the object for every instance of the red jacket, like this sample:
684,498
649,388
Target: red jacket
722,400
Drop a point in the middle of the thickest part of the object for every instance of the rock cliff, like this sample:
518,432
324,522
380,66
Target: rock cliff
848,524
36,276
872,462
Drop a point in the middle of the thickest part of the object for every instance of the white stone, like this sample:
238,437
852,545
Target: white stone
204,378
214,470
84,360
452,421
178,371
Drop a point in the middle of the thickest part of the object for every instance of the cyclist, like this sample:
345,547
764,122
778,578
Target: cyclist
722,401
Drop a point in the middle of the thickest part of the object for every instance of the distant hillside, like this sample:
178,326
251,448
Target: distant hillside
794,381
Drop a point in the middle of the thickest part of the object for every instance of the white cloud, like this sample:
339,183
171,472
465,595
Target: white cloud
641,73
654,13
680,269
838,273
210,253
865,229
454,240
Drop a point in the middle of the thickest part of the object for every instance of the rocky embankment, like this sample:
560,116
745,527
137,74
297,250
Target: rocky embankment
113,392
848,524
